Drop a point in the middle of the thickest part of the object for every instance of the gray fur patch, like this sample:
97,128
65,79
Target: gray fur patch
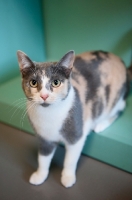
73,124
107,92
54,71
100,53
91,73
97,108
46,147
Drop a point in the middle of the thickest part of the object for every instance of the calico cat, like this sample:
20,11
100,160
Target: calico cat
68,99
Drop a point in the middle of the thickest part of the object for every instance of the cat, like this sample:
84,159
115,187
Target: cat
69,98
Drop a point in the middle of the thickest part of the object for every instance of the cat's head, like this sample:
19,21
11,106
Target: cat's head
46,83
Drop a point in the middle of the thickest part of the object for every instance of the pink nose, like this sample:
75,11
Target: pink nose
44,96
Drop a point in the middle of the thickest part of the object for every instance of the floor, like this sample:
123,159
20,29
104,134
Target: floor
18,159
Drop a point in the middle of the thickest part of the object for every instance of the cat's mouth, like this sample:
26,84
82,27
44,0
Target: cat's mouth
45,104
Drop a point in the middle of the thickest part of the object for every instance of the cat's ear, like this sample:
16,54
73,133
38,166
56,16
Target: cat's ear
67,63
67,60
24,61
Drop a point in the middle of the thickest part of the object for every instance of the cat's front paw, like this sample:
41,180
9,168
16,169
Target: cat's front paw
38,178
68,180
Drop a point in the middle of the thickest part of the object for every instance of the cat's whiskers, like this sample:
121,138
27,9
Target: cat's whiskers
20,103
33,104
14,103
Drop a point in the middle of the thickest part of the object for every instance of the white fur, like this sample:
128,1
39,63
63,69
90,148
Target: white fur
120,105
72,156
87,127
44,90
70,163
104,124
48,121
106,120
42,172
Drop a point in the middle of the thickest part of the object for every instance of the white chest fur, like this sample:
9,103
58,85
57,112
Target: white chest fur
48,121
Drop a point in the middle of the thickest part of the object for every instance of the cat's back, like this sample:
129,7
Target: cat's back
96,63
98,68
99,76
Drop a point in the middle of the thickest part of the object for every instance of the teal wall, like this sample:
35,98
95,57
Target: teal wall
88,25
73,24
21,27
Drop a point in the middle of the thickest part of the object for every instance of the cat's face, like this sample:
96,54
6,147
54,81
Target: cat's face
46,83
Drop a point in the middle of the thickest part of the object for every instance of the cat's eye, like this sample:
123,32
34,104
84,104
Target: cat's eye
33,83
56,83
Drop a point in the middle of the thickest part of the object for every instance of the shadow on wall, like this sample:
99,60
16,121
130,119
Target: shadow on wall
123,44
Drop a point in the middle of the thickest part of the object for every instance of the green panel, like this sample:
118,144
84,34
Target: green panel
113,146
88,25
109,150
13,105
21,28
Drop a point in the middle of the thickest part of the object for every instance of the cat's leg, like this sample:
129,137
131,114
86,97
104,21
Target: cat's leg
104,124
73,152
120,106
45,156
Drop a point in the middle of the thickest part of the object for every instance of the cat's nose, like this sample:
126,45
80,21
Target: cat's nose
44,96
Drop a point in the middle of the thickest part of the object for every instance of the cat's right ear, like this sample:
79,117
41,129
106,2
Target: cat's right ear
24,61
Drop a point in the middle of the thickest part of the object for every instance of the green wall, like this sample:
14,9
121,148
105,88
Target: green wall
21,27
88,25
73,24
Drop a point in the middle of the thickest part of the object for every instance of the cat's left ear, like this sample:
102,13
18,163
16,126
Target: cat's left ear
24,61
67,62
